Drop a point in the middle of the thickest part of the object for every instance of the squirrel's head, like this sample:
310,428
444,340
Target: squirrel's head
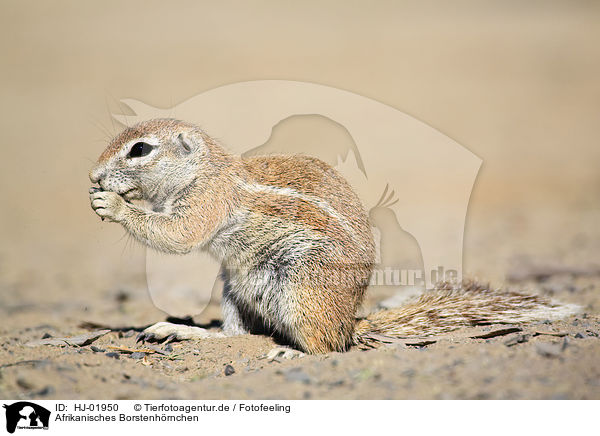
152,160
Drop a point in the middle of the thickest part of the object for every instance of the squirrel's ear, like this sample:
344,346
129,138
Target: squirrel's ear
185,143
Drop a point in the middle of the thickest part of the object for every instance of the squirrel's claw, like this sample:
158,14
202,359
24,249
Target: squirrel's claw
145,337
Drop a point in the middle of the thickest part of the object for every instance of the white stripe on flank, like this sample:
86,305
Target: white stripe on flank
289,192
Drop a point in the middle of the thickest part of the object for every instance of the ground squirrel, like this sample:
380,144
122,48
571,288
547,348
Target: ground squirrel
295,243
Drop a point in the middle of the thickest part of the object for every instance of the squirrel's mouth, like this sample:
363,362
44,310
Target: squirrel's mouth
132,194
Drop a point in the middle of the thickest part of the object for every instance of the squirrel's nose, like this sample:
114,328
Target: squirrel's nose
96,174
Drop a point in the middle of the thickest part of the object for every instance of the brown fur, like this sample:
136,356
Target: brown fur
449,307
295,241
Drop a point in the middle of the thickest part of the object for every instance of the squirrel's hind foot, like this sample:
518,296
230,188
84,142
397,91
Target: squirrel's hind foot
169,332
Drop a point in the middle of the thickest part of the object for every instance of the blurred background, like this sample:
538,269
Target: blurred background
514,82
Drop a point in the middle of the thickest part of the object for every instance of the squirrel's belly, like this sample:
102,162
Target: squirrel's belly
285,276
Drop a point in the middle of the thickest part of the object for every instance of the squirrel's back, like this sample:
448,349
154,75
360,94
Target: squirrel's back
312,193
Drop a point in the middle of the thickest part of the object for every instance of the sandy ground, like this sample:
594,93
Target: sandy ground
516,84
558,360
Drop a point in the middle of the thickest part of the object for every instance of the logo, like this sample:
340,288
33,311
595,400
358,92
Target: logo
26,415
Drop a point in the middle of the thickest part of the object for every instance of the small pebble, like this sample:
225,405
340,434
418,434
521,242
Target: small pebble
579,336
296,374
46,335
168,348
409,372
229,370
47,390
137,355
23,383
121,296
113,355
548,350
97,350
517,339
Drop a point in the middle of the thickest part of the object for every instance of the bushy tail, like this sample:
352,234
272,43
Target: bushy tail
449,307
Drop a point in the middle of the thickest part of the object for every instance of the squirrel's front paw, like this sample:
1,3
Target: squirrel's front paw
108,205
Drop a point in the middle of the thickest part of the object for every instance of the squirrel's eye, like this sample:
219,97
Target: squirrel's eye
139,149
